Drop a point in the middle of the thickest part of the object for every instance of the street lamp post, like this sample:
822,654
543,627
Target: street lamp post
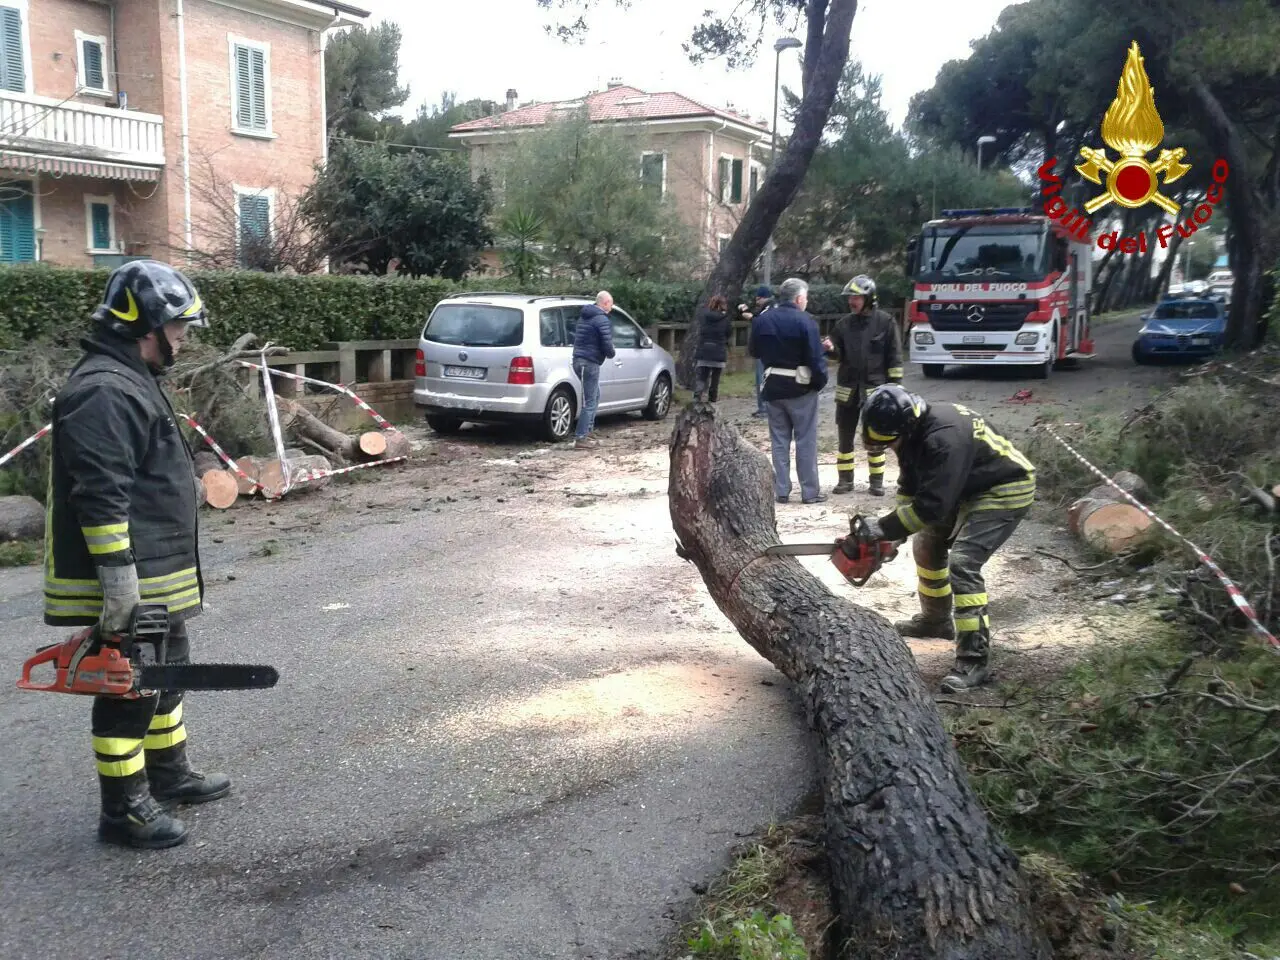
981,141
784,43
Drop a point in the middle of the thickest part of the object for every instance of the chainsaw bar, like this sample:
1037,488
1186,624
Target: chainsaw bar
207,676
802,550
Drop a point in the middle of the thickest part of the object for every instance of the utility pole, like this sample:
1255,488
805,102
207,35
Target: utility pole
785,43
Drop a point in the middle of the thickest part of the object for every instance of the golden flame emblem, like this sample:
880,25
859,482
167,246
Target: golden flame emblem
1132,128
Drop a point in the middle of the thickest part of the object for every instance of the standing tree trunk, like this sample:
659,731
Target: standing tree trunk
1251,253
826,51
917,870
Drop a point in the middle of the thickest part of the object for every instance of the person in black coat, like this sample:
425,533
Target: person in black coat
712,352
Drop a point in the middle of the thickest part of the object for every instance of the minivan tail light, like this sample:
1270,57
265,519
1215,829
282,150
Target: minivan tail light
521,371
420,364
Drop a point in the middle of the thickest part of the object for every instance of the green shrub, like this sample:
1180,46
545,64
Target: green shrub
303,312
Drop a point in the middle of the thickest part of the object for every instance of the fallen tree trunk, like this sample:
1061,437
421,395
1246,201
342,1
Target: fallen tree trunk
1105,520
206,460
252,466
220,488
21,518
370,445
397,445
917,869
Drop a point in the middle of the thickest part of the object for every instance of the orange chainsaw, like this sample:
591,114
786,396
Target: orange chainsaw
132,664
856,556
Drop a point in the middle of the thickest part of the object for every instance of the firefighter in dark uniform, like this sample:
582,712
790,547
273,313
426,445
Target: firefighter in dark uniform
868,348
122,531
962,490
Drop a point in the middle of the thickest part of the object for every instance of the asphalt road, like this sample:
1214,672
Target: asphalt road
499,734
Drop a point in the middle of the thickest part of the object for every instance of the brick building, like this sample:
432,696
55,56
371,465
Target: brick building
700,158
145,127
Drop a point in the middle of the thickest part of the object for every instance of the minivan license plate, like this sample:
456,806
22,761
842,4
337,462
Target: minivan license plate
466,373
975,339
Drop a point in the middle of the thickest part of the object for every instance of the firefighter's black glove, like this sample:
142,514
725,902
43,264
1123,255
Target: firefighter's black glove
869,531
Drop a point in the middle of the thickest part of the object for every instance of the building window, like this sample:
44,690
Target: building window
100,224
653,172
255,211
250,87
91,63
755,183
730,180
17,222
13,60
722,241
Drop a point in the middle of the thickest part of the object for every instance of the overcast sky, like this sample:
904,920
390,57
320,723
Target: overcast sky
481,47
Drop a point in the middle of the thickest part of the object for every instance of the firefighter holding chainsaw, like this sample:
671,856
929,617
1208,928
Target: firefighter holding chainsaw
962,491
122,502
866,344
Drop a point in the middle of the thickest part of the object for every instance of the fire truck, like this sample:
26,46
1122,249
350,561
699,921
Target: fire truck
998,286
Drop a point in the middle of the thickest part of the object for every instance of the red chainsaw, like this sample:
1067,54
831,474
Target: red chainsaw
856,556
132,664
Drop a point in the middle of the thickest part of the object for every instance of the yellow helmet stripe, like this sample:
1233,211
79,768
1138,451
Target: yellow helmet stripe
130,315
883,438
196,306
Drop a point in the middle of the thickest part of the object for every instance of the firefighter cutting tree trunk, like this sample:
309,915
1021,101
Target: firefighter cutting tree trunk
962,491
866,345
122,557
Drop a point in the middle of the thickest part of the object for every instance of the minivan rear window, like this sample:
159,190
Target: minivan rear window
475,325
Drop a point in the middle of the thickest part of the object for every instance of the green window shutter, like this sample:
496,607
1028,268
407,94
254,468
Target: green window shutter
251,88
13,75
17,223
94,79
100,214
255,225
735,195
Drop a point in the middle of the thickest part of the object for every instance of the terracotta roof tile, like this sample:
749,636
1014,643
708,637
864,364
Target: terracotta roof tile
616,103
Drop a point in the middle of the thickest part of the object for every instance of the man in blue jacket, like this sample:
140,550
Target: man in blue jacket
592,346
786,340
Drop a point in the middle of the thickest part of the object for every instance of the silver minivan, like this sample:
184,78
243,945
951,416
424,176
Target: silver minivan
507,358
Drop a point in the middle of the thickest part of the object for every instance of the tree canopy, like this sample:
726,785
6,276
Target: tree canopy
362,81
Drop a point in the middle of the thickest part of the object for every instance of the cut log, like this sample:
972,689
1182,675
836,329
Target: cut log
206,460
397,444
271,475
917,868
220,488
21,518
253,467
1131,483
372,444
1113,526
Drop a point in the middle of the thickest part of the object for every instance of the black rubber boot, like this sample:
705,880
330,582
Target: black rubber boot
877,485
920,628
173,780
845,484
131,817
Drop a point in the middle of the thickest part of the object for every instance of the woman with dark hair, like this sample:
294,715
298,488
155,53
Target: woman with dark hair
713,348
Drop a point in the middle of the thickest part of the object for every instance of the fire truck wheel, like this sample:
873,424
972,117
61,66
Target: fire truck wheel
933,370
1042,370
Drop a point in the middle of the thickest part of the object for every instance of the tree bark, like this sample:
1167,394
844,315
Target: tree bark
21,518
830,23
303,423
1245,211
206,460
918,871
271,475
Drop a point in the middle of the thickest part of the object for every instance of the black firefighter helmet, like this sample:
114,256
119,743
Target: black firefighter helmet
144,295
890,412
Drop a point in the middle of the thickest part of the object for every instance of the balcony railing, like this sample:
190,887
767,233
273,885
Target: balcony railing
80,130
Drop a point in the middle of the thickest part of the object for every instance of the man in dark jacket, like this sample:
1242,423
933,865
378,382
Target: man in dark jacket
123,531
962,491
592,346
786,340
866,345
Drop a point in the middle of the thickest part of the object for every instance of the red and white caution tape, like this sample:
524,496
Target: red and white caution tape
319,474
25,443
1234,592
222,454
382,424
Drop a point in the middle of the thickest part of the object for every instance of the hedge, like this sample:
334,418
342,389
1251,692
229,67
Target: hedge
302,312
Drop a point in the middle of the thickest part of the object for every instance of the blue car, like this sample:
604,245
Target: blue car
1181,327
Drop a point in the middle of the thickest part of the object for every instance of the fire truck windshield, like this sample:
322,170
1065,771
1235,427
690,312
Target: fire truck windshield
1013,251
